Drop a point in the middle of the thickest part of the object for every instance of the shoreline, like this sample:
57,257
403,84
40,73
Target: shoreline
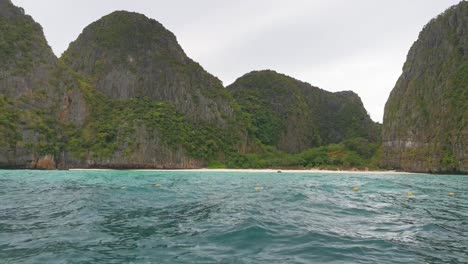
311,171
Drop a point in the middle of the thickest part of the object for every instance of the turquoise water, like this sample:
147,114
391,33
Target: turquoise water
213,217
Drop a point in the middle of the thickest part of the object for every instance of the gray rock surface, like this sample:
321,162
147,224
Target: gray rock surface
127,55
425,128
295,116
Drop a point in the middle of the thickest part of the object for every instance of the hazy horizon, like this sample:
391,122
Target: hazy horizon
335,45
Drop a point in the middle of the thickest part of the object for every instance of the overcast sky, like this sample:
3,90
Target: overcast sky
357,45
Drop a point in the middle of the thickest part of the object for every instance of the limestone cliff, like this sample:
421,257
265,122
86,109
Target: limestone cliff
124,95
29,98
148,104
127,55
425,127
26,59
294,116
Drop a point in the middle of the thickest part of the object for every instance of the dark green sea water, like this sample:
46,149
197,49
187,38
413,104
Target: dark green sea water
213,217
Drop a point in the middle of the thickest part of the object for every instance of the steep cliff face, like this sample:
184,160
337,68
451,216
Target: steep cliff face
29,94
148,105
127,55
425,126
26,59
294,116
124,95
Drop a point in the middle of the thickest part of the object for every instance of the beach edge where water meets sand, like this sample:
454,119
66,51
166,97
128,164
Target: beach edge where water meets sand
311,171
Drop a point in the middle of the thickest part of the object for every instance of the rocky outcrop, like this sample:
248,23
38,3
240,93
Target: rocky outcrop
28,98
27,61
147,105
294,116
45,163
127,55
425,127
124,95
151,152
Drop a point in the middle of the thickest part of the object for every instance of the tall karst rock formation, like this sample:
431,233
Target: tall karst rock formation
148,104
127,55
26,59
124,95
29,91
294,116
425,124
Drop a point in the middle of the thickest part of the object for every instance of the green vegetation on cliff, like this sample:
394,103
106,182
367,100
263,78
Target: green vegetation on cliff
112,127
144,97
20,37
128,55
293,116
27,99
424,126
28,128
125,95
26,59
357,153
8,126
296,125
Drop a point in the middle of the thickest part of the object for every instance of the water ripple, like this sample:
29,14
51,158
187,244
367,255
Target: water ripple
195,217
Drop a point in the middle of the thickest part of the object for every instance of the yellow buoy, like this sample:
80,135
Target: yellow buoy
258,188
410,193
451,194
157,185
356,189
